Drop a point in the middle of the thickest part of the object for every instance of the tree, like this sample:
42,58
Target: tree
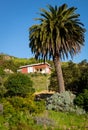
83,79
58,34
71,74
82,100
18,85
2,73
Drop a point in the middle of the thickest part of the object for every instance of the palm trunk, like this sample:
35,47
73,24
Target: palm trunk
57,64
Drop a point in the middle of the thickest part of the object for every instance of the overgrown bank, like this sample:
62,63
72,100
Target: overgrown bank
20,111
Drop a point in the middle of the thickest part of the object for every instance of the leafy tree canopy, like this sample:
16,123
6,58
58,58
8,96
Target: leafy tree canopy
18,85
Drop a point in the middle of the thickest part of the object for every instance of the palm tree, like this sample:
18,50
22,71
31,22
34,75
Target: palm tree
58,35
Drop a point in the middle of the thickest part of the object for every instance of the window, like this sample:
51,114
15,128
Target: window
40,69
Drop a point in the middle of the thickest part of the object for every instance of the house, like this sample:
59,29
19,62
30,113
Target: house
43,68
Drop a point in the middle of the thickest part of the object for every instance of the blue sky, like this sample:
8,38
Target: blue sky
16,16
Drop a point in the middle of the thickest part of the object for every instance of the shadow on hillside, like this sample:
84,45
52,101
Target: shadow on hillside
43,95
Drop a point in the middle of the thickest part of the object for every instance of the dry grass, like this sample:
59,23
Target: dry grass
40,81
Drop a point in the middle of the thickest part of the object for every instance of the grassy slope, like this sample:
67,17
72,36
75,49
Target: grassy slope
40,81
69,120
64,121
60,121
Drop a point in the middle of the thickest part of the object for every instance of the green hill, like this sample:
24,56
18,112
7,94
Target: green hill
40,82
13,63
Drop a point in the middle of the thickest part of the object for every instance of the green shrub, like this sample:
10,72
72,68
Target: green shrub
16,103
63,102
8,109
18,119
2,73
2,91
18,85
82,100
22,104
39,106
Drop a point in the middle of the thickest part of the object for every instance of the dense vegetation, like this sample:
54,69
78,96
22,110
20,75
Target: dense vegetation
13,63
20,111
18,85
76,81
75,77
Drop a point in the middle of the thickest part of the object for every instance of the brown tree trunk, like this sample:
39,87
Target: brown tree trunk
57,64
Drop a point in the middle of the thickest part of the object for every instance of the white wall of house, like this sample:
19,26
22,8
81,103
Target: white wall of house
30,70
43,71
40,68
47,70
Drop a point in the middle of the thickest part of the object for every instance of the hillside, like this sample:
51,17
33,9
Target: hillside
25,113
13,63
40,82
7,61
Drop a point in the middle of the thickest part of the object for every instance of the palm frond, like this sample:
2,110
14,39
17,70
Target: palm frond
59,32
